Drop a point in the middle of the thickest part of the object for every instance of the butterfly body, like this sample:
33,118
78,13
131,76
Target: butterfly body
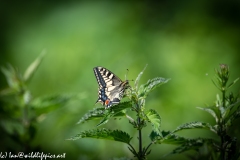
111,88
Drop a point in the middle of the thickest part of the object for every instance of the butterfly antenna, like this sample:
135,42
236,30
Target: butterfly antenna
126,74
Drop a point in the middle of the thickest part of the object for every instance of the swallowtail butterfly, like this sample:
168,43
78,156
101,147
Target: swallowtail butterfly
111,88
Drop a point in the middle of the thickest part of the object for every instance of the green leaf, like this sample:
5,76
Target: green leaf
194,125
170,138
216,84
188,144
121,106
231,84
105,114
232,118
48,103
117,110
138,77
230,109
14,78
12,126
8,92
96,113
115,135
155,136
105,119
145,89
33,66
185,143
155,119
213,110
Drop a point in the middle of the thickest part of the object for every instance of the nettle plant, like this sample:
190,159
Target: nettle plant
225,111
20,111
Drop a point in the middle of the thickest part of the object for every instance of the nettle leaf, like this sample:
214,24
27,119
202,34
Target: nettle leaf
155,119
194,125
185,143
115,111
33,67
213,110
154,136
14,78
48,103
189,144
105,119
12,126
121,106
230,109
232,118
145,89
115,135
167,138
139,77
96,113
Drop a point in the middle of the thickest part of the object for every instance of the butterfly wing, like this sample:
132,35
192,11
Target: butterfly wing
111,88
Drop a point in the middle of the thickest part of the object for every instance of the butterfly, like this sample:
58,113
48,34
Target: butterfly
111,88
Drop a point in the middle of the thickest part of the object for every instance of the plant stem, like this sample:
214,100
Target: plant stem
140,139
222,132
222,154
223,97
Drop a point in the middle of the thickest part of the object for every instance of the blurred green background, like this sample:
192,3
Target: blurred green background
181,40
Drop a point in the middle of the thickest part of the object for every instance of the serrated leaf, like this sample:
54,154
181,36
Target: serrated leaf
121,106
170,138
115,135
105,119
188,144
194,125
155,119
214,111
33,66
96,113
154,136
115,111
145,89
139,77
185,143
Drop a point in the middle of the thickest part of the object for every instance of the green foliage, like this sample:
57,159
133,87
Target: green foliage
225,112
20,112
115,135
117,111
155,119
195,125
137,98
151,84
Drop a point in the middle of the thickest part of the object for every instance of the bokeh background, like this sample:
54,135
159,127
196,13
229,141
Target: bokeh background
182,40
